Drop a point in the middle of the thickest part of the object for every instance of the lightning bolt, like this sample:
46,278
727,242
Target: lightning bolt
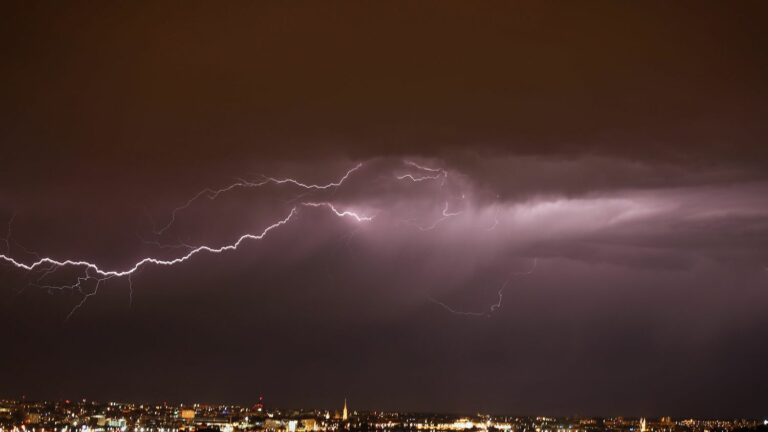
7,238
91,277
159,245
494,307
130,290
444,215
437,173
457,312
339,213
413,178
315,186
92,272
495,220
425,168
118,273
212,194
27,251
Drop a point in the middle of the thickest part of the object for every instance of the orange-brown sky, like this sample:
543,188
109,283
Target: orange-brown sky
604,163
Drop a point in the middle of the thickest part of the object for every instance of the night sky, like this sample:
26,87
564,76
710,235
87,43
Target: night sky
569,204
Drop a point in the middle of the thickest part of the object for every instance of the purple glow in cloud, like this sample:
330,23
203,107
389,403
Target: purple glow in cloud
531,226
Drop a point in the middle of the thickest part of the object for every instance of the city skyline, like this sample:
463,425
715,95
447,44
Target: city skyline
99,415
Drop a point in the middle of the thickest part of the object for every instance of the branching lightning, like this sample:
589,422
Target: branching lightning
495,220
445,215
425,168
457,312
212,194
337,212
414,178
92,272
90,277
437,173
7,238
494,307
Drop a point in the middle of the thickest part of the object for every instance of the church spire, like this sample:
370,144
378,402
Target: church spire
344,414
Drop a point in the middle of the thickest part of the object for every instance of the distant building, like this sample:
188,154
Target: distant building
272,424
344,413
100,420
307,425
292,425
259,407
117,423
34,418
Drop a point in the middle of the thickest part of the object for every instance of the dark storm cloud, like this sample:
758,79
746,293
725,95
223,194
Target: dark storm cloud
617,150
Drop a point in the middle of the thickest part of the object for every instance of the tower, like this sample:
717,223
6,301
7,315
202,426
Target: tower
344,414
642,425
